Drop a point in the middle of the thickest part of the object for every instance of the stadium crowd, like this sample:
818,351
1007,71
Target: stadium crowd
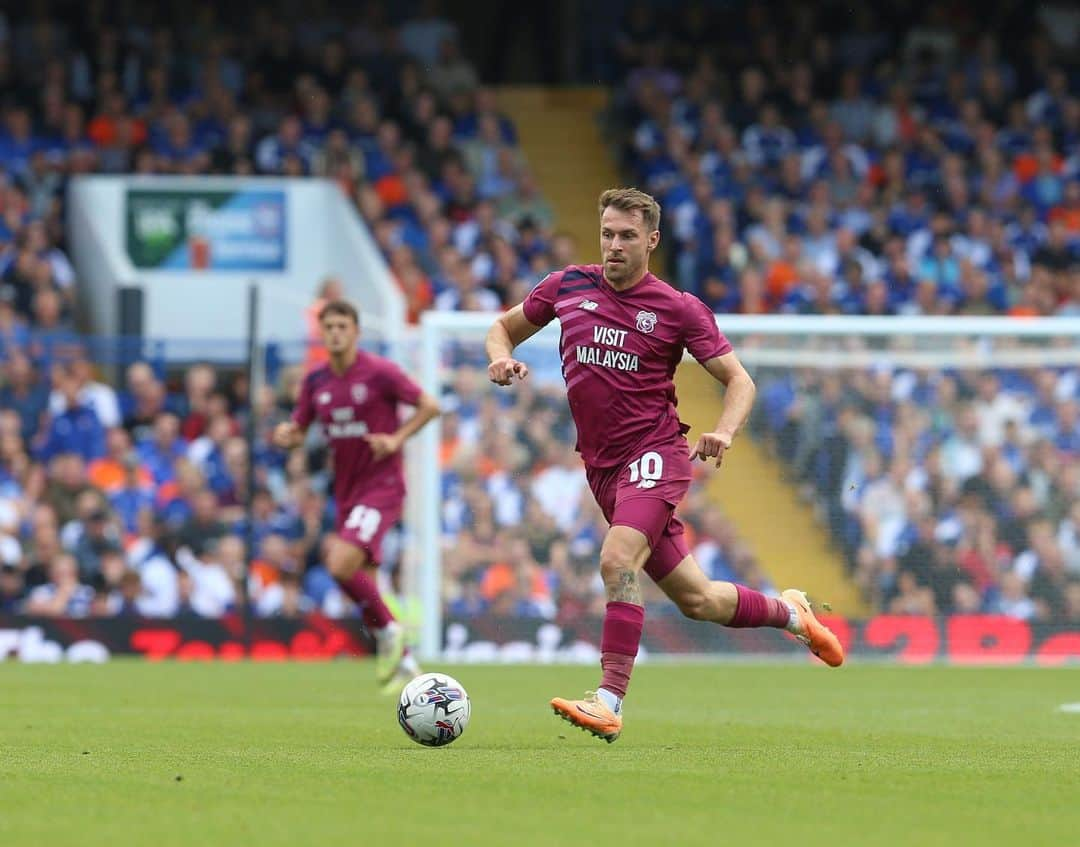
948,491
785,188
814,158
389,110
908,160
125,499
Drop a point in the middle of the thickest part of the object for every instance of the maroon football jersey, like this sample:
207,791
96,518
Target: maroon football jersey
619,353
362,400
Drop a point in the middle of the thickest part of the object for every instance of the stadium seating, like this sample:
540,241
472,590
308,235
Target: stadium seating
946,491
905,173
156,469
945,182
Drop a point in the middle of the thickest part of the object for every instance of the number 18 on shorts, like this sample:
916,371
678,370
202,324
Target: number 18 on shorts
366,525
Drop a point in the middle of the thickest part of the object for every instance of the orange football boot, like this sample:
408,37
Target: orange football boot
590,714
814,634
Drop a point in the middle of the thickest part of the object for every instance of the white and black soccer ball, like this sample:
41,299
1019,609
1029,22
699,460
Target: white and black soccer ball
434,709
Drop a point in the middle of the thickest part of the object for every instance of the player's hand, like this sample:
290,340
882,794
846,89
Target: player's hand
711,444
502,371
287,435
383,444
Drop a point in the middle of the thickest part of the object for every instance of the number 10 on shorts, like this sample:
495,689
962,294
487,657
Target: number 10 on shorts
365,521
647,470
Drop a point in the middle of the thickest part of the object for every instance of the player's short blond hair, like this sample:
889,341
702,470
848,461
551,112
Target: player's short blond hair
630,200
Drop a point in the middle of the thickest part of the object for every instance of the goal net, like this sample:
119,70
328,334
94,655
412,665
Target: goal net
938,457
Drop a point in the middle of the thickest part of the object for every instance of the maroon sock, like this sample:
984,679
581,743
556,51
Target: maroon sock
365,594
755,609
619,642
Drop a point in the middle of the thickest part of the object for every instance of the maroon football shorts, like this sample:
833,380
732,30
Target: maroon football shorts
363,522
643,495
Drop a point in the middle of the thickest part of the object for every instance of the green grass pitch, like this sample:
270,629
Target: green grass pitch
293,754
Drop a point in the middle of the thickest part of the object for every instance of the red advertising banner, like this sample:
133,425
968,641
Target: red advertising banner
906,639
312,638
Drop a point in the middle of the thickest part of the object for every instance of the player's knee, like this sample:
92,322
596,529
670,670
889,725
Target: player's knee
614,563
337,567
340,564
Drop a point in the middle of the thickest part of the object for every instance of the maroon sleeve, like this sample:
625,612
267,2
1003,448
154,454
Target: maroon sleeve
700,334
399,386
539,305
304,413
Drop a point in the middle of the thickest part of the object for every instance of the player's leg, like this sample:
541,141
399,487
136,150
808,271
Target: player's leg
353,565
351,568
635,526
678,574
622,556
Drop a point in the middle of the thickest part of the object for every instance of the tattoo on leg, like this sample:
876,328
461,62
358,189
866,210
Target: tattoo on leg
625,588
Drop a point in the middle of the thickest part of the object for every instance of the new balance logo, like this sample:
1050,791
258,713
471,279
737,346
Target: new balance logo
589,305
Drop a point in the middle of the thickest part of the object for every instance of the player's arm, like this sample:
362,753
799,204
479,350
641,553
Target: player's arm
384,444
739,394
289,434
509,330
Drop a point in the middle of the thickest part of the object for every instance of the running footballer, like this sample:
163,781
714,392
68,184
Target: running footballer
623,334
355,396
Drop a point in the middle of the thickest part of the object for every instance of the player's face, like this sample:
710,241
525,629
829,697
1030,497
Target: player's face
340,334
625,244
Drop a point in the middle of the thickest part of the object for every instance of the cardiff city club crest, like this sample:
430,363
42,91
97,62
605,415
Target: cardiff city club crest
359,392
646,321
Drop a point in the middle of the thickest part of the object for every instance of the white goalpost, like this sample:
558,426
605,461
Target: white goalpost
450,342
435,330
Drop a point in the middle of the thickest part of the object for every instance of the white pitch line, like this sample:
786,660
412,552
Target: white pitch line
1070,708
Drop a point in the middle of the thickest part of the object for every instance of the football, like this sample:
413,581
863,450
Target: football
434,709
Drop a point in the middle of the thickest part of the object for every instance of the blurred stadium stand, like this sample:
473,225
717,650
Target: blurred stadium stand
810,158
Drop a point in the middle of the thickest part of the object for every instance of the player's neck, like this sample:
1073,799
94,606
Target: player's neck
627,284
341,363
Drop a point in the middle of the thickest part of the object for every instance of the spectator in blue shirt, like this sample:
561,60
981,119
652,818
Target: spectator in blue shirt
133,497
269,519
485,103
470,603
24,393
1068,428
76,429
160,450
178,147
272,151
17,142
14,332
63,595
940,265
52,338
